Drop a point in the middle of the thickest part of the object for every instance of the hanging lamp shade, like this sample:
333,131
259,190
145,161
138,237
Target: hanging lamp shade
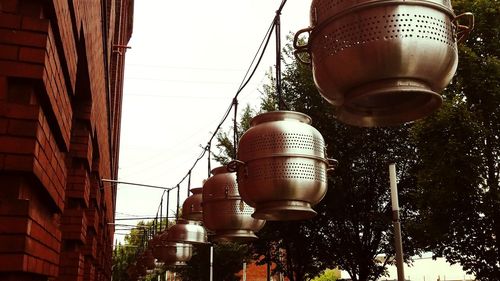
282,166
224,212
191,208
187,231
383,62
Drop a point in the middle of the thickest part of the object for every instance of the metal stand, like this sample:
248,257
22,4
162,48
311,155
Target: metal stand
395,221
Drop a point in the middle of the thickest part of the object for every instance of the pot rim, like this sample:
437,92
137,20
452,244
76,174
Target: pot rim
280,115
316,27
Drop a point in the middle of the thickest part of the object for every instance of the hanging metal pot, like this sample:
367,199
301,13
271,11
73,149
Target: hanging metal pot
187,231
191,208
177,254
224,212
172,253
382,62
147,259
282,166
156,245
132,272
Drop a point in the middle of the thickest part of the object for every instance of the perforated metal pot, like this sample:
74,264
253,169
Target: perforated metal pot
177,254
282,166
147,259
191,208
155,245
383,62
224,212
187,231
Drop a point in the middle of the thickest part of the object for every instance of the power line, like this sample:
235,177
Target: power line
246,79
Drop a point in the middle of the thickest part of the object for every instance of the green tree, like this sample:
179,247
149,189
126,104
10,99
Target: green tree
328,275
459,147
353,225
228,260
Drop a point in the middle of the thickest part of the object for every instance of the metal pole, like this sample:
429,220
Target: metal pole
244,271
268,273
277,22
395,221
211,262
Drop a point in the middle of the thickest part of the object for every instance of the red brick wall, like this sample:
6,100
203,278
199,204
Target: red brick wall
61,84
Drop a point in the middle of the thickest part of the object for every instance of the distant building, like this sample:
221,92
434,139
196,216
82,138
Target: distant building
61,77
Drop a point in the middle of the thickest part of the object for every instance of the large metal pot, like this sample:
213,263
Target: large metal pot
187,231
147,259
382,62
177,254
282,169
191,208
224,212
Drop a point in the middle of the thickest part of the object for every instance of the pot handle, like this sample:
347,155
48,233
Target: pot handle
332,164
463,31
235,165
302,49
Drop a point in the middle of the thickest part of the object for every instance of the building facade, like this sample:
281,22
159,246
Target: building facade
61,78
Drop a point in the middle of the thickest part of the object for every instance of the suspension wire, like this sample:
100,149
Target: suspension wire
178,201
235,124
209,166
161,210
257,59
279,90
167,211
189,184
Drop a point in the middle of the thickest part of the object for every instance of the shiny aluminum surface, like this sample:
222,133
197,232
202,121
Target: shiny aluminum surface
382,62
177,254
283,166
224,212
186,231
191,208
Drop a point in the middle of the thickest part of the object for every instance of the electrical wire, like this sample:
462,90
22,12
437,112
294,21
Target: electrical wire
246,79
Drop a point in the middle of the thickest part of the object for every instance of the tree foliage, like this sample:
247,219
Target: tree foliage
353,225
228,260
459,148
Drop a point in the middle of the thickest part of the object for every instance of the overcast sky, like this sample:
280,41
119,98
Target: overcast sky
186,63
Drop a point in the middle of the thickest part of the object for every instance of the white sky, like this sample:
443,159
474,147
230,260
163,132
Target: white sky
187,61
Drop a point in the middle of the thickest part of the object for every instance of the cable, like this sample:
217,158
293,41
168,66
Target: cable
246,79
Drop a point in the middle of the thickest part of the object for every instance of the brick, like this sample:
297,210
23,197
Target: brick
12,243
10,144
3,125
23,38
13,262
23,128
10,21
18,163
13,225
8,52
34,24
3,88
13,207
8,6
20,111
35,55
21,69
31,8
